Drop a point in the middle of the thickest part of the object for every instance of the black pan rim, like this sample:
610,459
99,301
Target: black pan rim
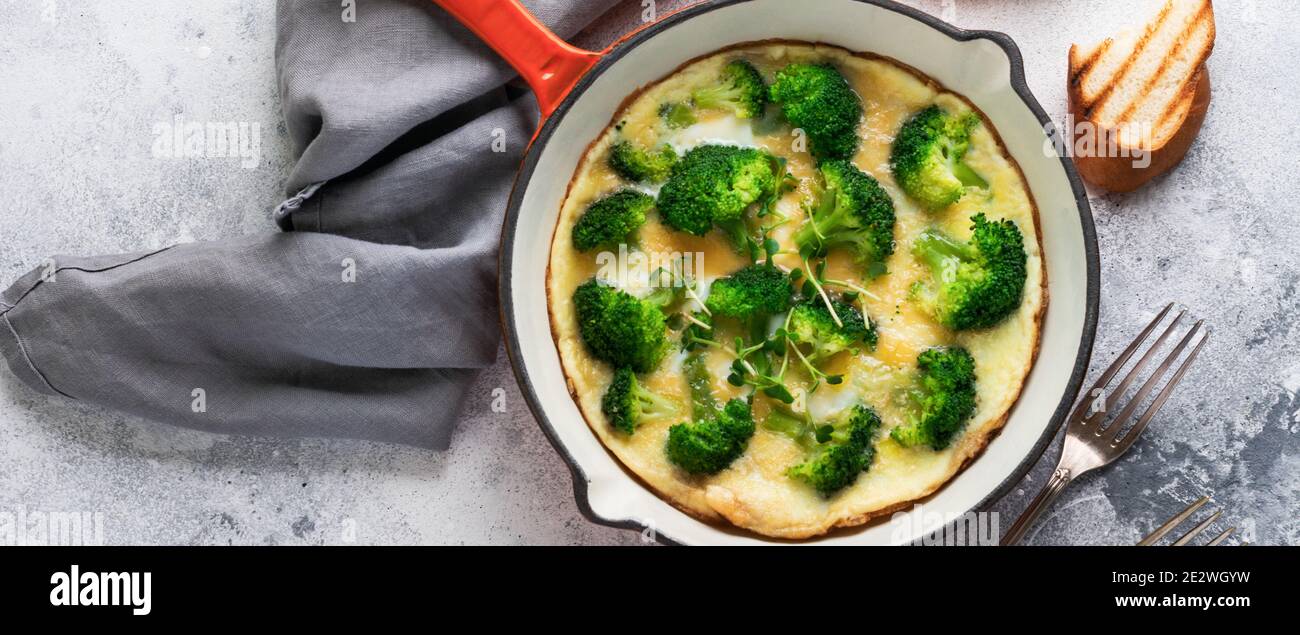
1018,83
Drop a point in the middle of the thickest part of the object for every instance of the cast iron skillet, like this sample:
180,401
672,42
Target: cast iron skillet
578,92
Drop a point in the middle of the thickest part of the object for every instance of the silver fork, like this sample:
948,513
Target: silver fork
1193,532
1090,442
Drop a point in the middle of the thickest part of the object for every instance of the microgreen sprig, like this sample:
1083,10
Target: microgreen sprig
815,280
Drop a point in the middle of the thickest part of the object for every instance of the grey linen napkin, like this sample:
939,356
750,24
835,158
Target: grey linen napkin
369,316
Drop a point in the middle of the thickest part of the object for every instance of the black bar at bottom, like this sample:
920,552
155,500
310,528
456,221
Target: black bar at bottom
323,582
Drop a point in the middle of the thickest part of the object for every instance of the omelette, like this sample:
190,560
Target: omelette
756,491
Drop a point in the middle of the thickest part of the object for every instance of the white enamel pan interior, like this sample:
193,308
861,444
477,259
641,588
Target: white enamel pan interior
985,67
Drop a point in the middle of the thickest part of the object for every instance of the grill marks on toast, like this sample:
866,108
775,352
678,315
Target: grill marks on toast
1085,65
1200,32
1165,57
1177,110
1108,87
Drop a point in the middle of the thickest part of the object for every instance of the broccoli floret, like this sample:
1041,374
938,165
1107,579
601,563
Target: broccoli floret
611,220
715,184
751,296
740,89
619,328
676,114
638,164
754,291
817,99
851,210
976,284
717,434
708,446
926,157
942,400
811,323
847,452
627,403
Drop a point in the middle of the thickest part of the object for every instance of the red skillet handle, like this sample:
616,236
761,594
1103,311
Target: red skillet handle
550,65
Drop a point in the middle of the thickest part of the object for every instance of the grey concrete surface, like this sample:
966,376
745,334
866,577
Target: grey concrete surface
84,84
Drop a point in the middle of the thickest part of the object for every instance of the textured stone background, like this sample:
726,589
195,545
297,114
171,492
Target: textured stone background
85,82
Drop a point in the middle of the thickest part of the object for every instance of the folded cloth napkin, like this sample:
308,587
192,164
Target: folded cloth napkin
369,316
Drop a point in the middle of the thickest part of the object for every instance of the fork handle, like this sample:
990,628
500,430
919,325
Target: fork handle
1055,485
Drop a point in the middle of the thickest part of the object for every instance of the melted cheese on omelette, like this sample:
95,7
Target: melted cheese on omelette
755,492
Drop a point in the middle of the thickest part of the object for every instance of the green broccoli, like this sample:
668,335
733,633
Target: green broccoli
755,291
817,99
811,323
717,434
926,157
942,400
669,290
619,328
715,184
798,427
708,446
627,403
751,296
851,210
698,331
740,89
703,403
638,164
976,284
611,220
676,114
846,452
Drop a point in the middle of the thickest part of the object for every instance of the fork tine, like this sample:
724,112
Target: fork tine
1173,522
1196,531
1123,358
1113,396
1221,537
1124,440
1164,393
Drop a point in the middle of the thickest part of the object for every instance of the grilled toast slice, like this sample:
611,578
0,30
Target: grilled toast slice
1138,99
